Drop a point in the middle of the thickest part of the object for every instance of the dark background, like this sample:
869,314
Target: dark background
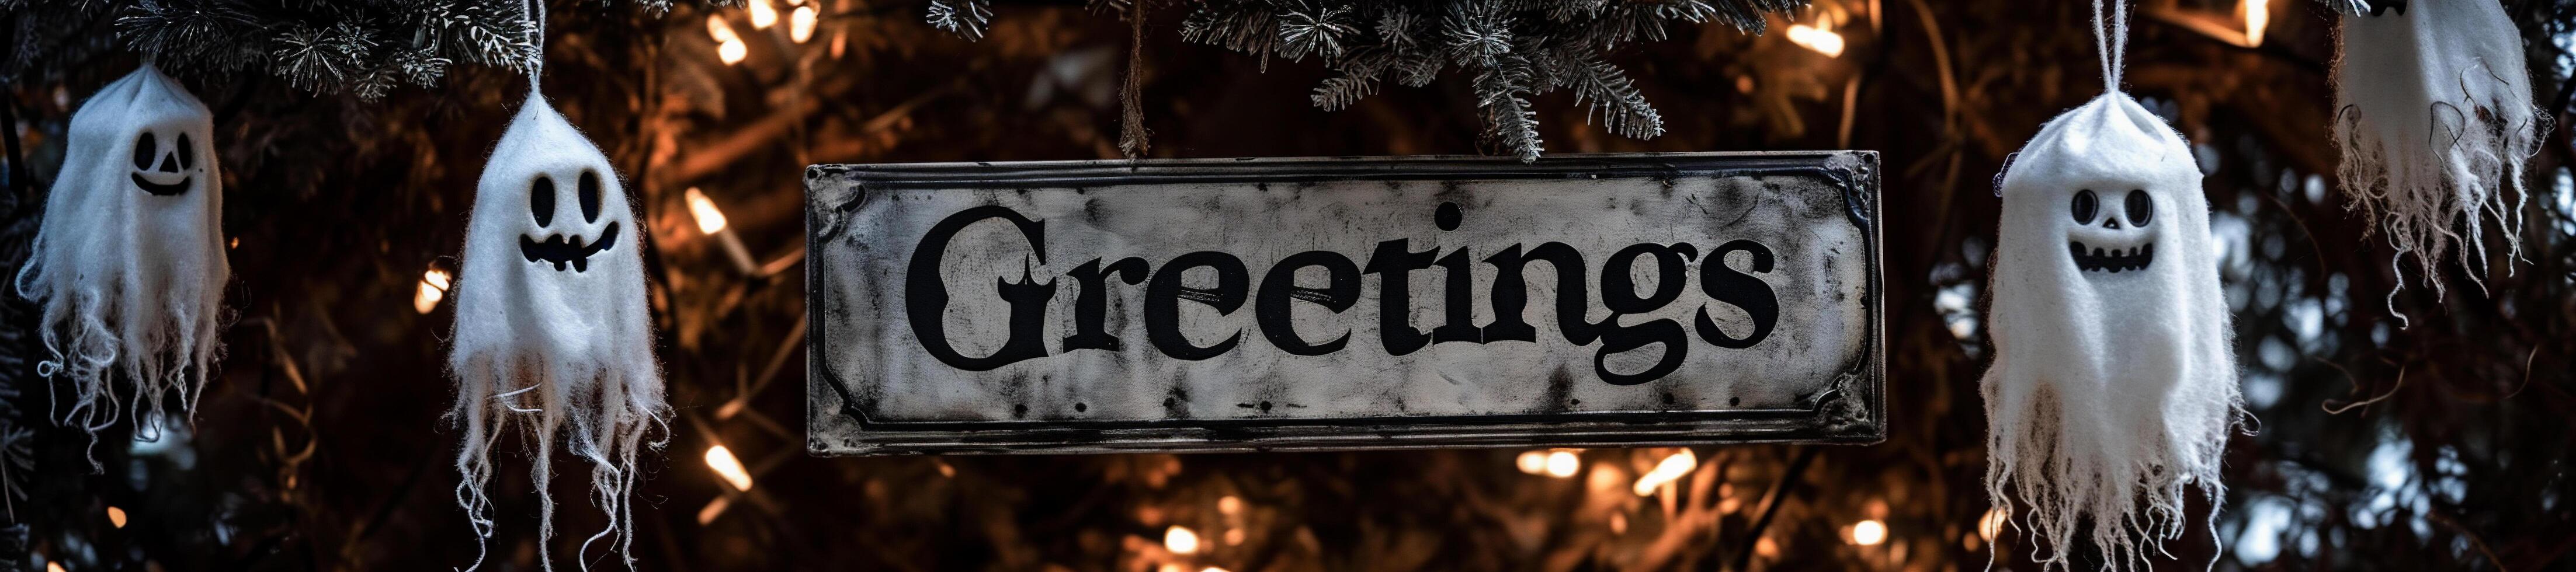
321,445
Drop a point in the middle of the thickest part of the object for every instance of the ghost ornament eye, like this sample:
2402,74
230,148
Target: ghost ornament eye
129,260
2112,242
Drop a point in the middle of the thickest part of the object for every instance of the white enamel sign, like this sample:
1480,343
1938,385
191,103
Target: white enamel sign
1349,303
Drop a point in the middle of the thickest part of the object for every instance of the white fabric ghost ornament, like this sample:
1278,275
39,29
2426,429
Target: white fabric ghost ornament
2113,388
553,341
130,258
2435,119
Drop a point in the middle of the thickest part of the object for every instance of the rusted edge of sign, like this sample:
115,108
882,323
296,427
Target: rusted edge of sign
1851,410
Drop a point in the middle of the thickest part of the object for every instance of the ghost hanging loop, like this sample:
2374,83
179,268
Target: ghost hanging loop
535,10
2111,40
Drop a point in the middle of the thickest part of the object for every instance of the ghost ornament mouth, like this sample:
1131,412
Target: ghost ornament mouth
567,251
2113,260
161,189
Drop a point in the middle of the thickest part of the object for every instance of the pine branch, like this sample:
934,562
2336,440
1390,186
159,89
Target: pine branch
209,35
1477,31
1608,93
1245,27
1357,78
319,59
966,18
1319,30
1509,123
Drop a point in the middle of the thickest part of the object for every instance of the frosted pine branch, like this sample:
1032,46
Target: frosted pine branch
1517,49
966,18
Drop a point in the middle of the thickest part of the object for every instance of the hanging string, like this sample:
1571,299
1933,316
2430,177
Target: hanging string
2111,39
535,11
1133,139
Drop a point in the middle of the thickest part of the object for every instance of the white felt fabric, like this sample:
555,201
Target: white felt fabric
553,338
2435,119
2111,392
129,261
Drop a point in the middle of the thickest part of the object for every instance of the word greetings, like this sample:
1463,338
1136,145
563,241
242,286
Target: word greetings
1392,263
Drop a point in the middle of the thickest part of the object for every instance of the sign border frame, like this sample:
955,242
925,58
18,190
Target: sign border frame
1851,410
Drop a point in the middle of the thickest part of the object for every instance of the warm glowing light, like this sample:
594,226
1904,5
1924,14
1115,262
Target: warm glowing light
2258,13
1992,525
1766,548
1868,533
732,51
1672,468
54,567
1212,569
762,15
1562,464
714,508
721,459
433,287
1532,461
1180,540
1234,537
709,219
800,24
718,29
1820,38
729,46
116,516
1229,505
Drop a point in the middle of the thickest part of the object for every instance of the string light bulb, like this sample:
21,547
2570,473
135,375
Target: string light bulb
1820,37
1670,469
1532,461
1562,464
762,15
433,287
2258,14
1180,540
710,220
800,23
1869,532
1991,525
116,516
729,46
725,465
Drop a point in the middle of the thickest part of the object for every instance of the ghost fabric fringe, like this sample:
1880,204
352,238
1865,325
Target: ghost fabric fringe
2434,118
553,340
129,261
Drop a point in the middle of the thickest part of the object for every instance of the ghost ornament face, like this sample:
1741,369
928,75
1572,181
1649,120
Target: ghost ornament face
2113,387
553,341
2121,227
129,261
165,164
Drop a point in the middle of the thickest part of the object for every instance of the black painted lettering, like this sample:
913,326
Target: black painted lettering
1164,293
926,295
1741,290
1091,303
1279,287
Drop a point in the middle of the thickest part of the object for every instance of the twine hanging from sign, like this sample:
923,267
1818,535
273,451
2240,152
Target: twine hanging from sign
1132,136
553,339
2113,388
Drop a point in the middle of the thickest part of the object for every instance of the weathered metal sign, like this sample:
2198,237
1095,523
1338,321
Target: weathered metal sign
1384,302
